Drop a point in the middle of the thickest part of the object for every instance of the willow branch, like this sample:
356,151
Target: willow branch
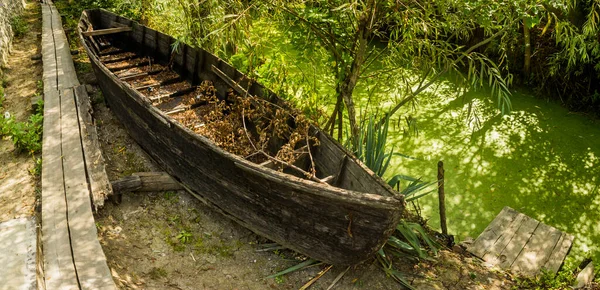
442,72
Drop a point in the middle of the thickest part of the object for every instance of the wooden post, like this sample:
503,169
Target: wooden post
442,197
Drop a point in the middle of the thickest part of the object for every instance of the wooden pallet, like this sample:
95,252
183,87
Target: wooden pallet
516,242
73,257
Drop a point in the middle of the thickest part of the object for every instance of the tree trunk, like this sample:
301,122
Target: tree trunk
144,8
527,56
351,78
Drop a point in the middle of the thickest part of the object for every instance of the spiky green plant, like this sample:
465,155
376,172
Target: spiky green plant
410,240
373,152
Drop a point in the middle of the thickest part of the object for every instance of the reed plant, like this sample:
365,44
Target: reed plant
410,240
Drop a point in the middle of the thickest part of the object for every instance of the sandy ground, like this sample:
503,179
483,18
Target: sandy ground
21,77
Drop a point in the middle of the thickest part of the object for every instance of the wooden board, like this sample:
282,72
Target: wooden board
523,245
90,262
58,262
489,235
48,51
72,256
492,254
106,31
537,251
94,161
561,249
66,76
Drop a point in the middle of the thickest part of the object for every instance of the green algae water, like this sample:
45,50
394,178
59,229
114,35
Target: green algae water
540,159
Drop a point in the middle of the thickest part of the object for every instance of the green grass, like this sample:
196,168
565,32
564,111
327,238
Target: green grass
26,136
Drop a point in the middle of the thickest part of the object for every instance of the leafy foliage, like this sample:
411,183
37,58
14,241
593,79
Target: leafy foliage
185,237
19,26
26,136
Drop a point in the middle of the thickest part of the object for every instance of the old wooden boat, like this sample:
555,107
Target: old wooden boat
341,215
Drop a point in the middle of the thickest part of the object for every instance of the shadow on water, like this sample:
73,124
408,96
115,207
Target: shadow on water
540,160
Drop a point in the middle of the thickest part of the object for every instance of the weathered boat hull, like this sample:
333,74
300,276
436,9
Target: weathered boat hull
341,225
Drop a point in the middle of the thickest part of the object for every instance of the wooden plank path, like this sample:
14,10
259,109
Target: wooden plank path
516,242
73,257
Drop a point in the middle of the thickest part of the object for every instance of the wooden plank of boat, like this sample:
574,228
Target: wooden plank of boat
117,24
120,59
173,94
111,52
229,81
130,66
87,26
137,75
106,31
162,83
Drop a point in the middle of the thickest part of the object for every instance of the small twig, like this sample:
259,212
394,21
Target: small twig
310,176
337,279
313,280
246,131
312,162
273,248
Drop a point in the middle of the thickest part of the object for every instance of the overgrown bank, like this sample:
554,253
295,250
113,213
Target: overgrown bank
445,104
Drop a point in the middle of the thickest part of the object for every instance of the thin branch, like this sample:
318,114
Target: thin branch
246,131
227,24
446,68
313,280
313,170
307,174
322,34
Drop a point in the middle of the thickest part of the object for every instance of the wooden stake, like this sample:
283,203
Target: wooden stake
442,198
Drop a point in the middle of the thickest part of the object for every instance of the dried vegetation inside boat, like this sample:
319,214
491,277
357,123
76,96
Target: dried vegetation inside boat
245,125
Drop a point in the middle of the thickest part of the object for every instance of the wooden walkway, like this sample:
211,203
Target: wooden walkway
73,257
516,242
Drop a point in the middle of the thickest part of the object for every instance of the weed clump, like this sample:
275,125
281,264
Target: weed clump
26,136
19,26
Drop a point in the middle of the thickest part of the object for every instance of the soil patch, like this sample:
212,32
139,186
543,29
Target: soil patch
21,79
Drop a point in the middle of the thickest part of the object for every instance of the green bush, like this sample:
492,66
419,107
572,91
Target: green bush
19,26
26,136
